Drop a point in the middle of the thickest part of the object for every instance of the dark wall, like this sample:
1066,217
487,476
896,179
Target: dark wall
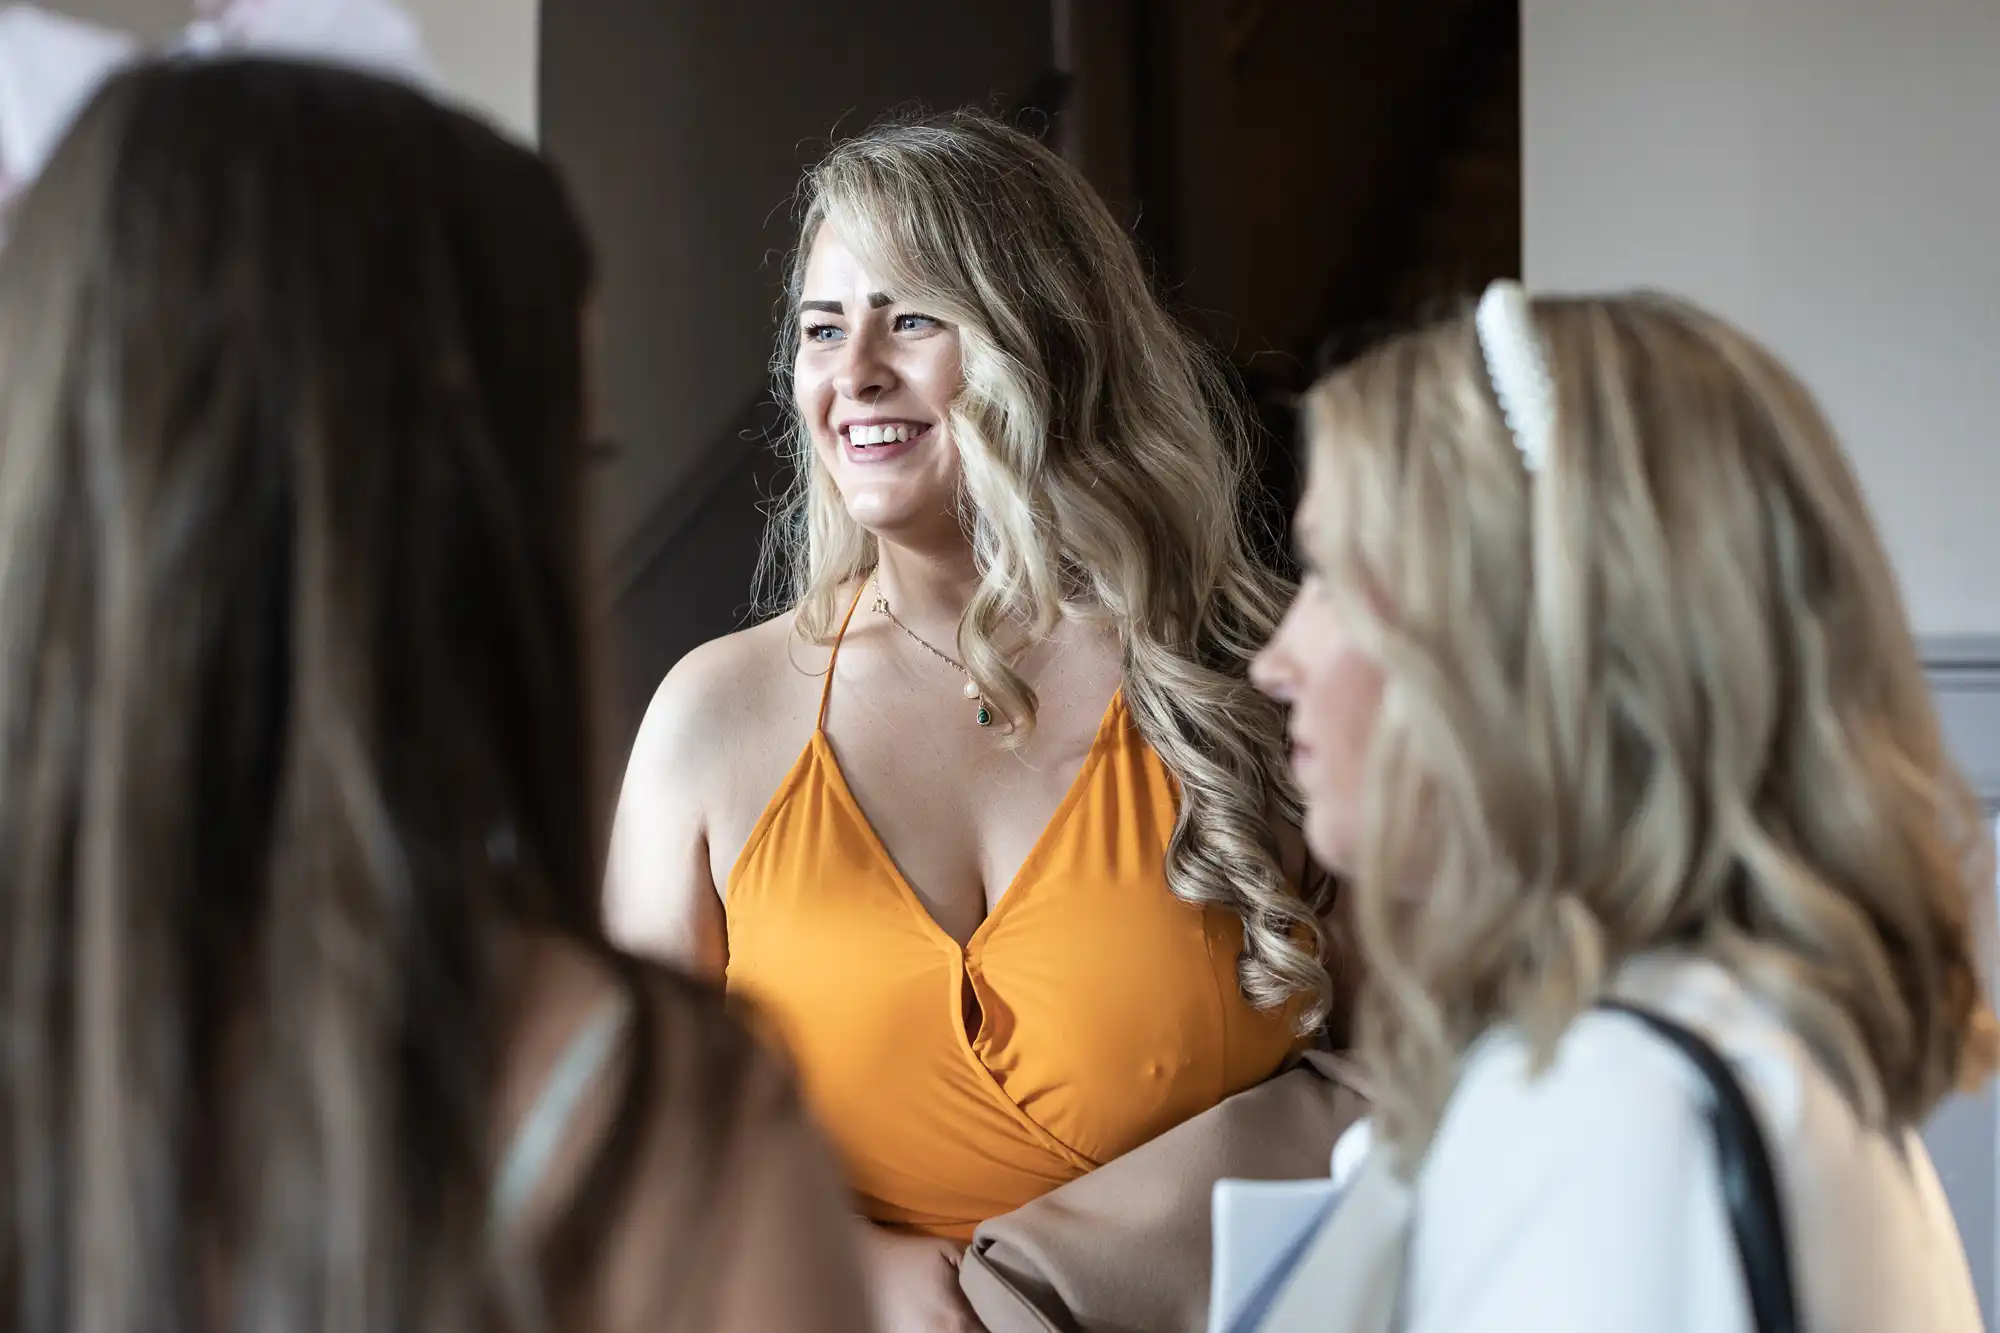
1304,175
1293,171
684,128
1283,162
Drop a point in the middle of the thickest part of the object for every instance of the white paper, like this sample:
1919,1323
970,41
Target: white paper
1258,1224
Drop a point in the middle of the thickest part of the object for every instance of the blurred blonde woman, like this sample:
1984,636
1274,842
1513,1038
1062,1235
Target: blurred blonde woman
989,820
1601,688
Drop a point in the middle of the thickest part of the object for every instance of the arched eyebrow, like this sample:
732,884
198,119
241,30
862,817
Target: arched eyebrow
876,300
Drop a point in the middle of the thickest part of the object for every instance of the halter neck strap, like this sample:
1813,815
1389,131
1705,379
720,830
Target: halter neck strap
826,688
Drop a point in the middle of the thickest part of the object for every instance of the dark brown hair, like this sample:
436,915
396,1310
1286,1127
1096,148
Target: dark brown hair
293,719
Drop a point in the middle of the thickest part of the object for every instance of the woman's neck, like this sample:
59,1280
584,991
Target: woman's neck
928,587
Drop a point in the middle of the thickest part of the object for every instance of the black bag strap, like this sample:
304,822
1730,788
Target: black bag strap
1749,1186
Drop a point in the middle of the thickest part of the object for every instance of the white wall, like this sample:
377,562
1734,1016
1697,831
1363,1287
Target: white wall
1827,174
148,20
486,50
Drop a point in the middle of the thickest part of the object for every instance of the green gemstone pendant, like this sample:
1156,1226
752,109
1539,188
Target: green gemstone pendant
985,718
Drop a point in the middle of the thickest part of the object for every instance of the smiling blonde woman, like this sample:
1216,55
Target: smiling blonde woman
989,820
1602,689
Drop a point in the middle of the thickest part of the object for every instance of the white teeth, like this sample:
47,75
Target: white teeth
864,436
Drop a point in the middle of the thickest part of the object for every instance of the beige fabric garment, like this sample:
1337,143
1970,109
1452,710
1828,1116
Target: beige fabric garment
1126,1248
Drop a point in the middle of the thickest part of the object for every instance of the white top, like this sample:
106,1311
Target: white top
1587,1199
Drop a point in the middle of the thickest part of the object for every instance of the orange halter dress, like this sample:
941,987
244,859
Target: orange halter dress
1107,1010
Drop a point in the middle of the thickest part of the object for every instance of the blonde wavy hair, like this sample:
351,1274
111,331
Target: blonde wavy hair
1102,458
1663,692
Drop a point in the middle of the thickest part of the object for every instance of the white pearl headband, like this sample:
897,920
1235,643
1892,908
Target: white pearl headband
1519,370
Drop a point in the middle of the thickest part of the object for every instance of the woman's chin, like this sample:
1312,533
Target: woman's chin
1330,844
899,515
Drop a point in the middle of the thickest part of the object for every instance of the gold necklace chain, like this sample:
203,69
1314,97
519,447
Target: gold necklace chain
985,715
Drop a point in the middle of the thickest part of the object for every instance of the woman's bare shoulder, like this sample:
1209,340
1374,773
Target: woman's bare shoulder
732,690
737,672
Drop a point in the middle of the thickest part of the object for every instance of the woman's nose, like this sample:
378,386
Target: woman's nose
1271,669
864,373
1267,672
